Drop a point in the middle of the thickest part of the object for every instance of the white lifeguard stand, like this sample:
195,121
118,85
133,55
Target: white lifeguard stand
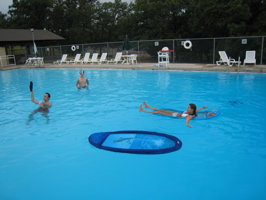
163,56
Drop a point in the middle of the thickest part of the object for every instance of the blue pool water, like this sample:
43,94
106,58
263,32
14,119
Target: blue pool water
51,158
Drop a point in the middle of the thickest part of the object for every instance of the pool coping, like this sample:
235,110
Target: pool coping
151,66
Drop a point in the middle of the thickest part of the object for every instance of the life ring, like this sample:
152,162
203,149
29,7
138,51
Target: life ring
187,44
73,48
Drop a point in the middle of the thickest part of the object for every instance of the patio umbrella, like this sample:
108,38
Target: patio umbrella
126,45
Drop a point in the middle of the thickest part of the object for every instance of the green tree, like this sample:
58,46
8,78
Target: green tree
151,19
214,18
257,22
3,20
79,20
160,19
111,21
29,14
57,22
84,21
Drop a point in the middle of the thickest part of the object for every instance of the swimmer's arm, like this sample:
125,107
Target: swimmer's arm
88,83
203,107
188,118
32,98
77,83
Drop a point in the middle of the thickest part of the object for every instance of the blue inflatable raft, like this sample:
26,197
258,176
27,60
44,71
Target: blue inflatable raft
137,142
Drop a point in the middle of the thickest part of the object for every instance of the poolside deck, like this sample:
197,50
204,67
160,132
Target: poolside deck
152,66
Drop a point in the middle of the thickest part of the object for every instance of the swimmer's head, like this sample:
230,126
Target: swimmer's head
46,96
192,108
81,72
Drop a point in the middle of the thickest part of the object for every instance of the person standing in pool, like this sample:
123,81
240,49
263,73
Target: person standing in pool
43,106
189,114
82,81
45,103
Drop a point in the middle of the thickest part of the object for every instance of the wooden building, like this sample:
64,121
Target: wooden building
20,42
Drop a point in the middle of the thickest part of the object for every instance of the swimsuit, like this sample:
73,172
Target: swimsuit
174,114
183,114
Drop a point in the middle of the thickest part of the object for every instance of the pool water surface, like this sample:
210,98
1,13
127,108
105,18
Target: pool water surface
49,156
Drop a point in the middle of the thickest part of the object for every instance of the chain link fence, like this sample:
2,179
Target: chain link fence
203,50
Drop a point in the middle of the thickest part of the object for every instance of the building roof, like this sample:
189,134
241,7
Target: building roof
21,35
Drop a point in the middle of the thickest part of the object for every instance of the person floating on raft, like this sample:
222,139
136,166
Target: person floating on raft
189,114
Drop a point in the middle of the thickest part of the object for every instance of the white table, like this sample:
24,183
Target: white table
34,61
127,59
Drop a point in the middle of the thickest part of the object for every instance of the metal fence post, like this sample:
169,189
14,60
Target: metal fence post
213,61
138,52
174,51
262,42
61,50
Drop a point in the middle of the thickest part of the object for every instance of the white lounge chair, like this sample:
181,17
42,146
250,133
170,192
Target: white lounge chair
250,57
76,59
86,58
103,58
118,58
225,60
94,58
63,59
163,57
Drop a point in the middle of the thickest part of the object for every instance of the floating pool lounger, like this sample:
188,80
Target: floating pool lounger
136,142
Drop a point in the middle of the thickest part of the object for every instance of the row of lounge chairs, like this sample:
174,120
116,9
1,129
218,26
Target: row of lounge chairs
86,59
94,59
249,59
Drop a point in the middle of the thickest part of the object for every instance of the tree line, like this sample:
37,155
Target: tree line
90,21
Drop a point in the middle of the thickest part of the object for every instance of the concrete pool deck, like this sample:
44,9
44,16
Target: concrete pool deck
150,66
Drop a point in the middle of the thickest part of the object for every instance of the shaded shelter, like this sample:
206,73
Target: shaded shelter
19,42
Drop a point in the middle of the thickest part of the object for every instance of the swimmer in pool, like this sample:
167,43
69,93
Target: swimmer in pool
189,114
43,106
45,103
82,82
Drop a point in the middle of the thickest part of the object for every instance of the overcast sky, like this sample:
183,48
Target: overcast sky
5,3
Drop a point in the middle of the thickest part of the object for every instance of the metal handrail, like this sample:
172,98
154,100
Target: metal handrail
5,60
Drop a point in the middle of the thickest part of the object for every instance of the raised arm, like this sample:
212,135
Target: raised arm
32,98
203,107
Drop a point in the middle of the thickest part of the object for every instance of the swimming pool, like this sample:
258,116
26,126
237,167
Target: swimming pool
51,158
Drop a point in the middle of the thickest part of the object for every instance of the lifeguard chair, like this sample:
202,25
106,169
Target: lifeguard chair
163,56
